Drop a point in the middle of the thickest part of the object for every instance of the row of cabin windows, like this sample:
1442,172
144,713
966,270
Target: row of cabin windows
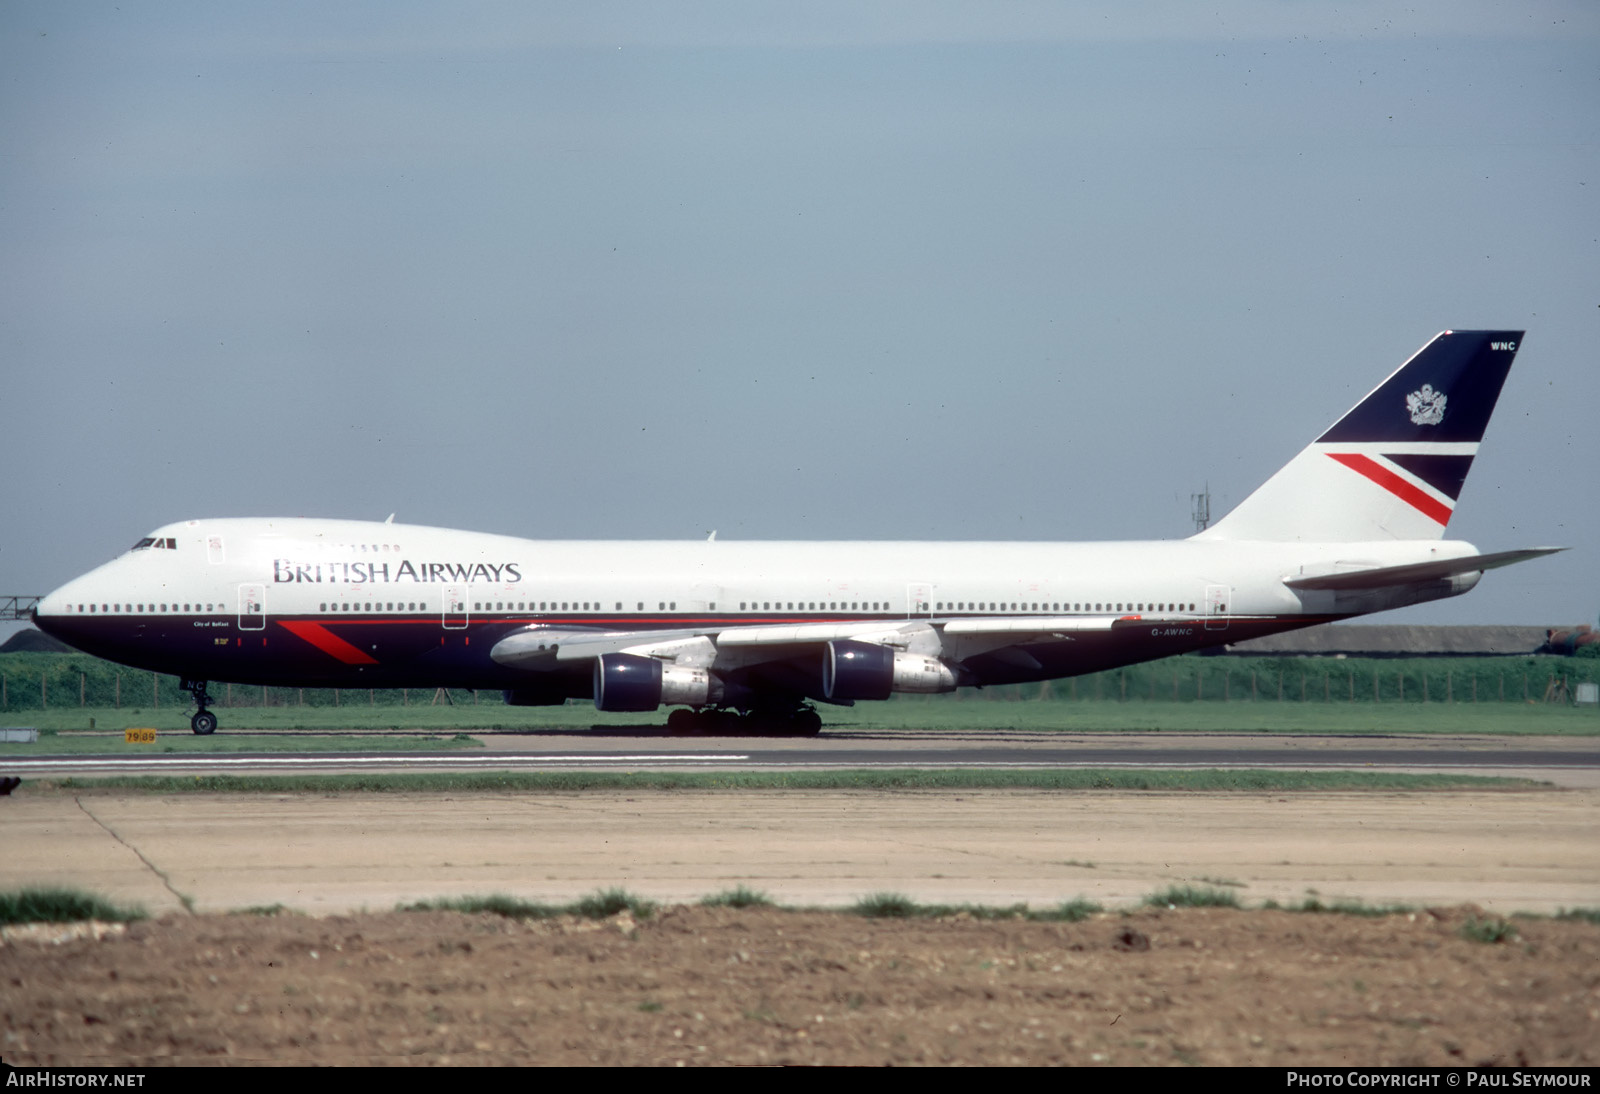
109,609
841,606
814,606
389,606
562,606
1106,606
672,606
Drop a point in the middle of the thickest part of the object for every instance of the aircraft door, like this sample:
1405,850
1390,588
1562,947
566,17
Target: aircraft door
919,600
252,607
455,608
1217,597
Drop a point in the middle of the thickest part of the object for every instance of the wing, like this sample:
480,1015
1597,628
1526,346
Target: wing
541,648
836,662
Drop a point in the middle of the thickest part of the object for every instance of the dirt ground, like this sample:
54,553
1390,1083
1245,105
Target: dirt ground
697,985
704,986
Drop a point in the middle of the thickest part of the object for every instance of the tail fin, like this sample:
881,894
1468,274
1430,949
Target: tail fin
1392,468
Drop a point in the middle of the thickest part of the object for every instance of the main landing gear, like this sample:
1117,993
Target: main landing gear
203,721
800,721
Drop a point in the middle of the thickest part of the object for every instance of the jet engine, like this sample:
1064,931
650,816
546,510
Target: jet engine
628,682
863,670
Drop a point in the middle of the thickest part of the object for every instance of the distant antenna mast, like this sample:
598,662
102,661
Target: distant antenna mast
1200,505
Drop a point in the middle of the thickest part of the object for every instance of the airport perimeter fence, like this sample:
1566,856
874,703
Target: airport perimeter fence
1323,680
50,681
45,681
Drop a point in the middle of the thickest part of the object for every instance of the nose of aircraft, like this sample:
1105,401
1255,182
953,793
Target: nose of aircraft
48,609
56,614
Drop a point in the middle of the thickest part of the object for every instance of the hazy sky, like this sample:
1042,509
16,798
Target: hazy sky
841,270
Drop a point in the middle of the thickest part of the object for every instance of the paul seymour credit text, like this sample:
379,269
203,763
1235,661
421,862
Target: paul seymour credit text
1467,1078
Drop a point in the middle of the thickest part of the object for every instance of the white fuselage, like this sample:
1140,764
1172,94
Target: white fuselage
253,599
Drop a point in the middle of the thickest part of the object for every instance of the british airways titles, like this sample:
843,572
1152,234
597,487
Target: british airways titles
287,571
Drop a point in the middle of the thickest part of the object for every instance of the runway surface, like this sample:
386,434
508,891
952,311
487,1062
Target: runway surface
1570,762
1527,850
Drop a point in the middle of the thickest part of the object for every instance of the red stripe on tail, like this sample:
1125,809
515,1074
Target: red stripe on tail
1422,502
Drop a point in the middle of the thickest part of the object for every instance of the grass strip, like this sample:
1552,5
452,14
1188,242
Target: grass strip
62,906
600,905
975,714
739,896
900,906
1493,930
1192,896
902,779
170,742
1312,906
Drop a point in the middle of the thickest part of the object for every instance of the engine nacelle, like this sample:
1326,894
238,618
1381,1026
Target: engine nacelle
857,670
628,682
865,670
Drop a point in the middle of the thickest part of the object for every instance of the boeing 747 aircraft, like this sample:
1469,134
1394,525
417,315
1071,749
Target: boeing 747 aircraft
747,636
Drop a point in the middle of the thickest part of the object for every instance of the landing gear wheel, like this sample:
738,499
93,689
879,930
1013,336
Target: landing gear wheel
203,722
807,723
682,722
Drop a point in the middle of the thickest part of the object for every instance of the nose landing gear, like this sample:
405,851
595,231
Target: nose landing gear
203,722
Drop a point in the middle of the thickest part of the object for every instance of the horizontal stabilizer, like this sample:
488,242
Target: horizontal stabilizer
1383,577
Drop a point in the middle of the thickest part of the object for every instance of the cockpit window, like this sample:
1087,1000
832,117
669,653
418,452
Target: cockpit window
165,542
147,541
